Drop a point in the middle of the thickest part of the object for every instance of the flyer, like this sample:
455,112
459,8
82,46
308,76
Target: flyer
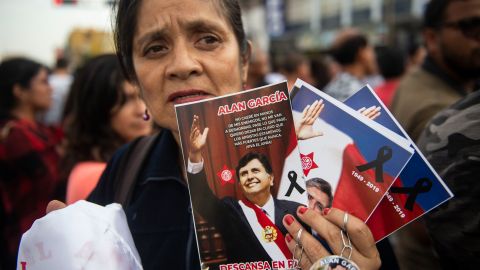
244,174
417,190
358,158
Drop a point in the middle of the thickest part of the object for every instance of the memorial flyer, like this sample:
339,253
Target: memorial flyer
244,174
417,190
358,158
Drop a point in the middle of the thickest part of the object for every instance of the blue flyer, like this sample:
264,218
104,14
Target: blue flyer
417,190
358,158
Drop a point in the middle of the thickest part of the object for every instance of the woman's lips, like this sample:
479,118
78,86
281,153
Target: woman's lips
186,96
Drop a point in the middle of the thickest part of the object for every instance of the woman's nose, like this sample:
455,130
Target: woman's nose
185,63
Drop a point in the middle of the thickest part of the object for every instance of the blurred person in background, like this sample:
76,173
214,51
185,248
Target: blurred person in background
296,66
451,69
103,112
356,57
323,69
28,151
416,55
274,75
60,80
258,68
392,65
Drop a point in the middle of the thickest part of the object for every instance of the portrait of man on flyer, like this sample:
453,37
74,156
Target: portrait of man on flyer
249,217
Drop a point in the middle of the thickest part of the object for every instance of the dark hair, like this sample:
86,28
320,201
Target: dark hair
251,156
15,71
413,47
95,95
319,65
293,60
391,61
323,185
346,52
61,62
435,12
126,22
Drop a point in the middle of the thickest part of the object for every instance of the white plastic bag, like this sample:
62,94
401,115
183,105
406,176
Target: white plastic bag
81,236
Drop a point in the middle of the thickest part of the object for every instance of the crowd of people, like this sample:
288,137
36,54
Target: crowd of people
62,132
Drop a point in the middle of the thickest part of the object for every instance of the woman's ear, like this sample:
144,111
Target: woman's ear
245,58
18,92
362,54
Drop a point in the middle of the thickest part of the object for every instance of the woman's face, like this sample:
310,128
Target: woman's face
183,51
39,94
127,119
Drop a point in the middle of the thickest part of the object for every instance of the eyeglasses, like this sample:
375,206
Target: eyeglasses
470,27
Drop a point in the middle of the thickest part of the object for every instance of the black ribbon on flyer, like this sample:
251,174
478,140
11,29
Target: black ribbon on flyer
384,154
292,176
421,186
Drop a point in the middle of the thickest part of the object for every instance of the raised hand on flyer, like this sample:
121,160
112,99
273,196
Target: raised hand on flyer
371,112
350,240
197,140
304,128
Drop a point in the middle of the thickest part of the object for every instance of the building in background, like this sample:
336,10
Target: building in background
310,25
274,25
38,29
83,44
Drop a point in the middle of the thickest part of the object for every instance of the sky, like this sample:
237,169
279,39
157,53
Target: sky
35,28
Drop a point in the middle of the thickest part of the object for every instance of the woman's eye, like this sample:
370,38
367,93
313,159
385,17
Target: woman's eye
209,41
155,49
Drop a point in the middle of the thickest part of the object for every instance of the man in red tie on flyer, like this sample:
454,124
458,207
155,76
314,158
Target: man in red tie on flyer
251,227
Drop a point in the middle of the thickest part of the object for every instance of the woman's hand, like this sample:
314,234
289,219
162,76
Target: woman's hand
304,129
197,140
54,205
329,226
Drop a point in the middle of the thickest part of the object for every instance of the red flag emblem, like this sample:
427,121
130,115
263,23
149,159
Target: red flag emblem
308,163
226,175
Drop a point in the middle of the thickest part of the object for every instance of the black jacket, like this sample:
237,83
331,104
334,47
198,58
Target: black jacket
241,244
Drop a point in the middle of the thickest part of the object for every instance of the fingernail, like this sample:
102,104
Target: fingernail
326,211
288,237
302,210
289,219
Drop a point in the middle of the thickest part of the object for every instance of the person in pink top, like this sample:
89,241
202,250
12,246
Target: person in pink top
103,111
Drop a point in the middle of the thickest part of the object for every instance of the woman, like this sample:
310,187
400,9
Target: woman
28,150
103,112
179,51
